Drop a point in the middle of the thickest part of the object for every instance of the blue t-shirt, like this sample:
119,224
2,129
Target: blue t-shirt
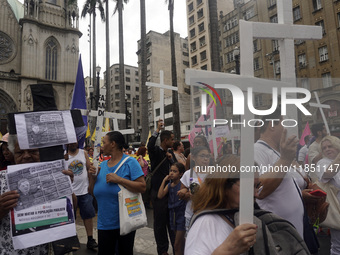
107,193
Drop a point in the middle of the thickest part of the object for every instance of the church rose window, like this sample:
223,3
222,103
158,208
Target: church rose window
51,59
7,48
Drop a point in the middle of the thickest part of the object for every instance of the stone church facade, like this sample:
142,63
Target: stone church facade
39,43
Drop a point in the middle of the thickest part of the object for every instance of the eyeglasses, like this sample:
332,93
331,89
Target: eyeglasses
204,156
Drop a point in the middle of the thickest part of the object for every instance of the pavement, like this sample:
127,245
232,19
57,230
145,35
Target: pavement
145,243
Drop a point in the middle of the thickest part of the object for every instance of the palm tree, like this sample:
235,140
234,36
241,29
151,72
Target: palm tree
108,74
214,47
90,7
143,70
215,58
175,112
119,7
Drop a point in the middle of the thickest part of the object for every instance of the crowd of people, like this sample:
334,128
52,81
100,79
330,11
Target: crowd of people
186,200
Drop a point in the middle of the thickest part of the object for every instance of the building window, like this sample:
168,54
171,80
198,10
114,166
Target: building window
203,55
202,41
256,64
192,32
231,39
321,24
185,54
200,13
193,46
230,57
186,63
323,53
271,3
51,59
302,60
205,67
190,7
198,2
296,13
275,45
197,115
127,71
137,88
117,70
317,5
326,80
128,88
305,83
248,14
194,60
230,24
116,86
201,27
191,20
277,67
127,79
196,101
128,96
116,78
258,100
117,95
255,46
136,73
273,19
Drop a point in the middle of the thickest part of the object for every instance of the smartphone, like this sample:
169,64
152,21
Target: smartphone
318,192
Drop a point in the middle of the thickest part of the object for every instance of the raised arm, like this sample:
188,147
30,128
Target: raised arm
272,180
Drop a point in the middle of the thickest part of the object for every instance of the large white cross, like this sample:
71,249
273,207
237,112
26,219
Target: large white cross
101,114
321,107
286,32
161,87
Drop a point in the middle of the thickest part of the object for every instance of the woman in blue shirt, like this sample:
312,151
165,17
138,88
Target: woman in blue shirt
106,189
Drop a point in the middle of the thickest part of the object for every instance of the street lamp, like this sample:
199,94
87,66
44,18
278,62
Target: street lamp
97,92
236,53
126,118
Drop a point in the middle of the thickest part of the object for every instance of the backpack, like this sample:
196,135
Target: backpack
274,234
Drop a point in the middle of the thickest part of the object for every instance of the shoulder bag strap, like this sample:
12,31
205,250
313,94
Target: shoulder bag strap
121,164
154,171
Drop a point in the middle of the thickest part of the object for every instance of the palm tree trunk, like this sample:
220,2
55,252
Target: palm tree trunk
144,90
94,75
121,63
108,73
215,55
175,112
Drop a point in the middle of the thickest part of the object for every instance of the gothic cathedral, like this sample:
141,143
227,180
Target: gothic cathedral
39,43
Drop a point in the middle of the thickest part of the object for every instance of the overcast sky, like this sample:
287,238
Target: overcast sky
157,19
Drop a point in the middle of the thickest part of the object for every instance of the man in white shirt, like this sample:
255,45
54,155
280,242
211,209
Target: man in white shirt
279,194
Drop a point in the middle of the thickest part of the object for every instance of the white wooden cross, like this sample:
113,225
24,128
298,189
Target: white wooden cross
321,106
161,87
101,114
286,32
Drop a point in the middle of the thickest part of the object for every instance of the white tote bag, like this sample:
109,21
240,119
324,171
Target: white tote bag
132,214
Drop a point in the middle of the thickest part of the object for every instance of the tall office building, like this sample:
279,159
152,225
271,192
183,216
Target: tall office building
159,58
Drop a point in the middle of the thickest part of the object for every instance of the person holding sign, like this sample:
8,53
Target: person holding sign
9,200
105,188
